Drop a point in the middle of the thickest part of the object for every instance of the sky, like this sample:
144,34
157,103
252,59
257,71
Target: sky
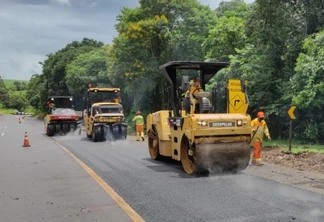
31,29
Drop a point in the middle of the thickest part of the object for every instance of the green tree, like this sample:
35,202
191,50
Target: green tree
4,94
153,34
34,88
17,85
23,86
313,12
274,33
236,7
18,102
53,81
229,32
308,88
87,68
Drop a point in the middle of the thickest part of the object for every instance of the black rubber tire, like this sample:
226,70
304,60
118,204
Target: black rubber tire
65,128
58,128
50,130
97,134
94,135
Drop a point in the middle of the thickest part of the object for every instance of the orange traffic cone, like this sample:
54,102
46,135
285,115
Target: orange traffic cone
19,120
26,141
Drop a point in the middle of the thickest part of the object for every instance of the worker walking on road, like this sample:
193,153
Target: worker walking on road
259,129
139,122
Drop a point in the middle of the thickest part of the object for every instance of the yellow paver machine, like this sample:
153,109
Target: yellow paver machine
191,132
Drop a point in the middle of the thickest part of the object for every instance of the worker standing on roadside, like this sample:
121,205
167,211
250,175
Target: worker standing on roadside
259,129
139,122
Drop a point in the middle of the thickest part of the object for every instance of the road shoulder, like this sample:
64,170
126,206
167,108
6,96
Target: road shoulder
311,181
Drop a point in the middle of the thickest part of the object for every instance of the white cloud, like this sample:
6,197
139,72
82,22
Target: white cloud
31,29
41,29
61,2
88,3
14,65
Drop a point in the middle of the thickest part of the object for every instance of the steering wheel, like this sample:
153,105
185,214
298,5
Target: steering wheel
198,89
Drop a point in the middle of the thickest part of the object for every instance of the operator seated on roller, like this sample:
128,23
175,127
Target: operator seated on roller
51,106
194,88
96,110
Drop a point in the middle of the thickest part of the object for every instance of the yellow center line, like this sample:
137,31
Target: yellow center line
109,190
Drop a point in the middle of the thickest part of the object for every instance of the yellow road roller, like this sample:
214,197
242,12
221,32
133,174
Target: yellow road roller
190,130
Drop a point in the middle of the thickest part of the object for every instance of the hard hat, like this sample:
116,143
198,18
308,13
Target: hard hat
138,112
261,114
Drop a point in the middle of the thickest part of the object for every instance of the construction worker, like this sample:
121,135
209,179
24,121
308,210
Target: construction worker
259,129
96,110
139,122
194,89
51,106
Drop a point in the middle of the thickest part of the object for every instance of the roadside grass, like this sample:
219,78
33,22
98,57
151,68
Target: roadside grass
5,110
296,146
9,82
29,109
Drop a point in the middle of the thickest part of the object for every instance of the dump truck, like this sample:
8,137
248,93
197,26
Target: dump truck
201,139
104,115
61,117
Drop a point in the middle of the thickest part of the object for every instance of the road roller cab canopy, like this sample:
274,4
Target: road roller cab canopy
96,95
60,102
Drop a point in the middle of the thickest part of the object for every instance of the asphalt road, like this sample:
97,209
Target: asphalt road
43,182
156,190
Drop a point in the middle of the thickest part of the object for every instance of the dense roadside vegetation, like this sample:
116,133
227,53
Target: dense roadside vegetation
13,96
277,46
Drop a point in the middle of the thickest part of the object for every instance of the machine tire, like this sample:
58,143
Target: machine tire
47,130
103,134
121,135
65,128
50,130
188,163
94,135
73,127
97,134
58,128
153,144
